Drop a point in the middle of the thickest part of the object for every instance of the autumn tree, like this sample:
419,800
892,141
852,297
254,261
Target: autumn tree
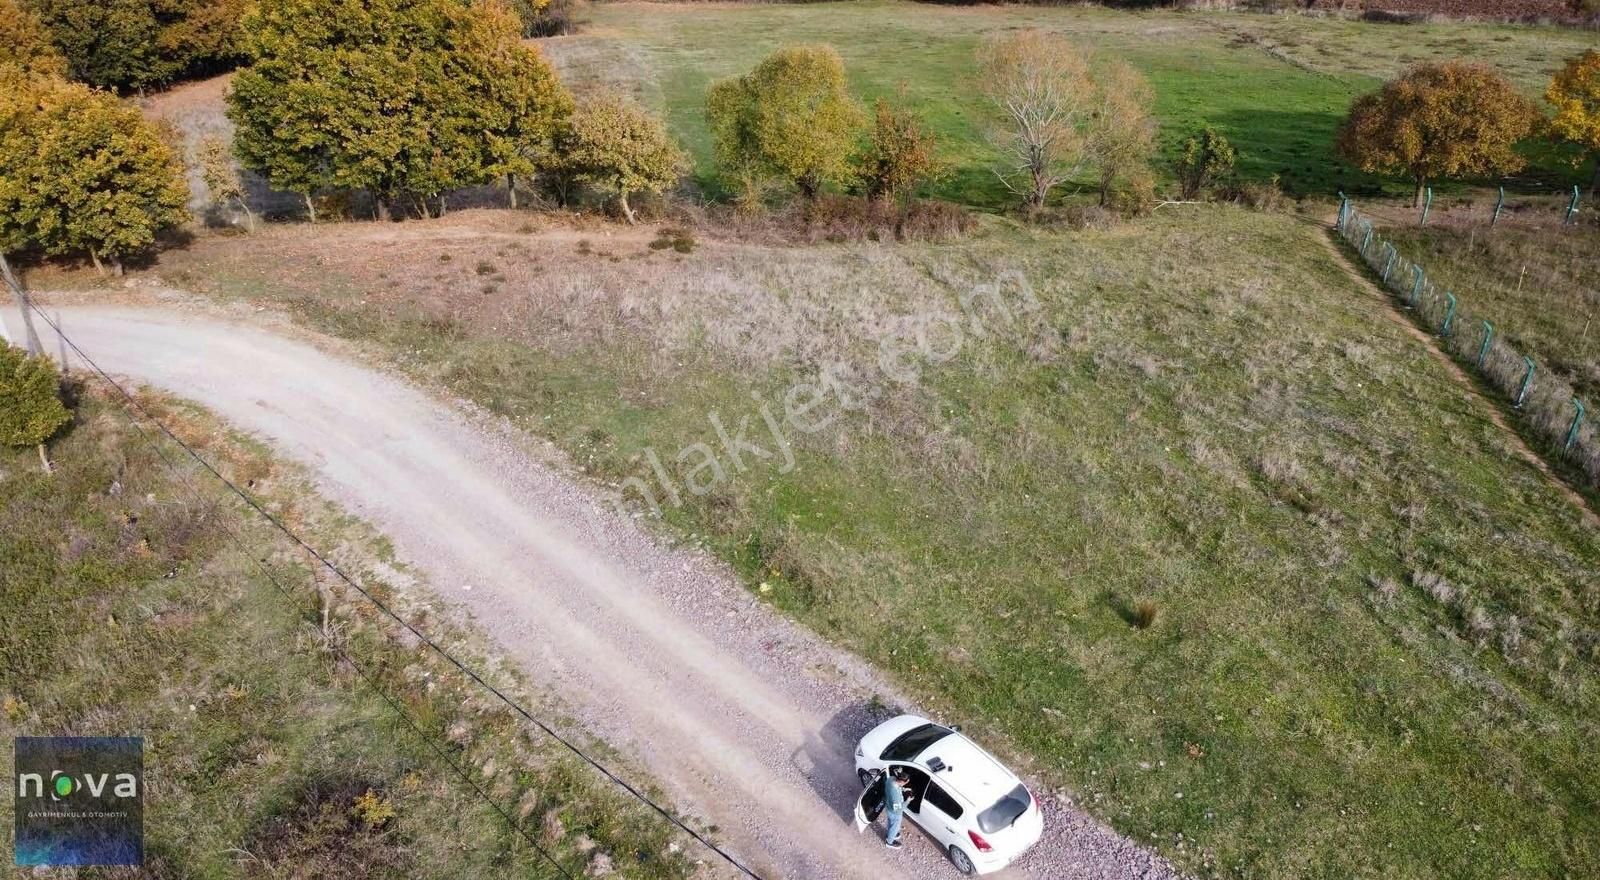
900,155
82,173
221,177
25,43
404,100
1204,158
1574,92
1122,136
31,411
1039,88
792,118
137,44
615,145
1446,120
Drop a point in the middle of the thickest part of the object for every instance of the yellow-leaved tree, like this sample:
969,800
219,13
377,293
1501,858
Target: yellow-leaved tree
614,144
792,117
81,172
1575,93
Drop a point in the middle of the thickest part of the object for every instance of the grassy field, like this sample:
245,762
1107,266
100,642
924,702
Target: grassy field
1277,85
1376,639
1532,276
127,609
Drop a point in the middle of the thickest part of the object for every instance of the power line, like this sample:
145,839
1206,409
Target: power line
380,605
347,657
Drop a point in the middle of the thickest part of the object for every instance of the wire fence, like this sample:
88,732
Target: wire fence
1545,402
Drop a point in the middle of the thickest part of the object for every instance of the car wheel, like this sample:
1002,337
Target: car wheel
865,777
960,860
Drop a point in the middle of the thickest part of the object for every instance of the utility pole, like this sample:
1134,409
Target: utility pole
21,296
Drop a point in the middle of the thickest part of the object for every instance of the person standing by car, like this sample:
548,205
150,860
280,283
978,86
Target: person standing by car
894,803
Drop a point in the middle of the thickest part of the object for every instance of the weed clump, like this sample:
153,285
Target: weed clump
1144,614
680,240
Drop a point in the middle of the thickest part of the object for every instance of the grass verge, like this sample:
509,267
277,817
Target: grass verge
129,609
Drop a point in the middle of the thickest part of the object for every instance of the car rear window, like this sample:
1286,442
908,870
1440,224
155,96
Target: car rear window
910,744
1005,811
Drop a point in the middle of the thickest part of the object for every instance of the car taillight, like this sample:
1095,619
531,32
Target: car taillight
979,842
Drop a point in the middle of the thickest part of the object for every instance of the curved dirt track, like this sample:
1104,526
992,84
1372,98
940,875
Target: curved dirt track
747,720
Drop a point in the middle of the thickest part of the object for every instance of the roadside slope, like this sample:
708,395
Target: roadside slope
748,719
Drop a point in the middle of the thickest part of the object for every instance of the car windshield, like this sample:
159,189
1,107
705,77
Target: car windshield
910,744
1005,811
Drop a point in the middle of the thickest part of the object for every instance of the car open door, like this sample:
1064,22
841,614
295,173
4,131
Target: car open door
870,805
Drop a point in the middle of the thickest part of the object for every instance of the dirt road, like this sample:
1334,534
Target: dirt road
747,720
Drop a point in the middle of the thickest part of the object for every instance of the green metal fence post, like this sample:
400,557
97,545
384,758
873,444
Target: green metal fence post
1488,339
1449,314
1427,203
1498,204
1344,211
1577,421
1527,380
1572,207
1366,239
1393,253
1416,288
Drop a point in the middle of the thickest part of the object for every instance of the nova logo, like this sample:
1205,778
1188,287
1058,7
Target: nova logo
125,785
79,800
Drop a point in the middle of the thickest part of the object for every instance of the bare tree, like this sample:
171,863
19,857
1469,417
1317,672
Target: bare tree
1040,85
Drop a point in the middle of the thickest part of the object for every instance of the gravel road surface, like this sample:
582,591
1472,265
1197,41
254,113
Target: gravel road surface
748,720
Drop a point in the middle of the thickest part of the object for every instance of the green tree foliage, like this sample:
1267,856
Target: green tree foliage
614,144
901,153
81,172
25,43
400,98
31,410
1574,92
791,118
1205,158
137,44
1454,119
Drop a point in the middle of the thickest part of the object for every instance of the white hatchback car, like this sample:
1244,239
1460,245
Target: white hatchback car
979,812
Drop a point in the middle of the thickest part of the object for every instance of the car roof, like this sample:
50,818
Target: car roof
970,772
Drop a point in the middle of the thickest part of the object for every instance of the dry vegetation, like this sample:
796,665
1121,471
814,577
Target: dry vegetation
156,563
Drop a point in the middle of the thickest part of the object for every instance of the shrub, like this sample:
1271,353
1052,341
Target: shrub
1144,614
31,410
614,144
791,118
1123,134
1205,158
545,18
221,176
900,154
